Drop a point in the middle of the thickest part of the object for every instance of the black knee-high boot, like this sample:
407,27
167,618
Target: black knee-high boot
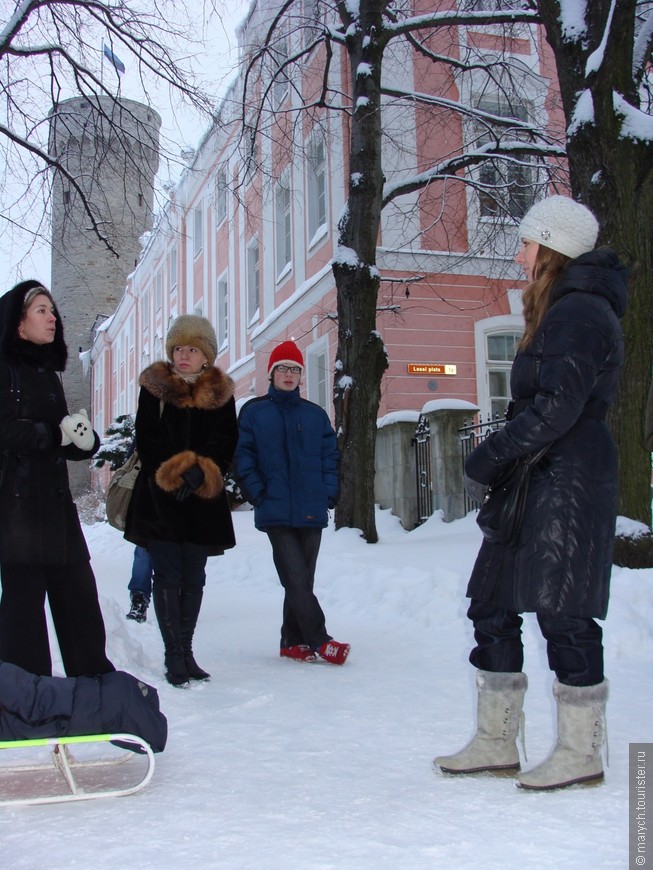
191,602
167,607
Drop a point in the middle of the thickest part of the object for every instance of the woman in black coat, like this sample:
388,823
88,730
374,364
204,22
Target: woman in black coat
186,434
563,381
42,548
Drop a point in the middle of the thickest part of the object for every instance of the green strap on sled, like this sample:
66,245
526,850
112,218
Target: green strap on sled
75,780
50,741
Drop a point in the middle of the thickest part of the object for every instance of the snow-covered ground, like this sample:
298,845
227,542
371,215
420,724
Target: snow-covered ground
275,765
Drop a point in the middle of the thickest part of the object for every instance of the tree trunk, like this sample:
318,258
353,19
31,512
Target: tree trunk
361,358
361,362
612,174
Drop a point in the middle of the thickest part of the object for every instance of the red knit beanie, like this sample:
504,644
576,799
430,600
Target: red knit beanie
286,353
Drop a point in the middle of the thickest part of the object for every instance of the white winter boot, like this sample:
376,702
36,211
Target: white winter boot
493,748
576,756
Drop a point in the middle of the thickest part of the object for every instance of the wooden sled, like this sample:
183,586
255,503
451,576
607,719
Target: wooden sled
64,778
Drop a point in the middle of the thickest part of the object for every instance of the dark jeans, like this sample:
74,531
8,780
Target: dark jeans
176,565
76,615
574,645
141,579
294,551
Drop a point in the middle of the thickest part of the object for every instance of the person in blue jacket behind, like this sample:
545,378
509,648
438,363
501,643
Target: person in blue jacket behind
286,463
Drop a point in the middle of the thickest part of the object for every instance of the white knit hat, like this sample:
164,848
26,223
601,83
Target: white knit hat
562,224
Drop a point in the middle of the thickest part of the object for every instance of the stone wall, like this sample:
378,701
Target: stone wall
396,475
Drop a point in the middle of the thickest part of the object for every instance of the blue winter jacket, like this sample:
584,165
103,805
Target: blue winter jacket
286,460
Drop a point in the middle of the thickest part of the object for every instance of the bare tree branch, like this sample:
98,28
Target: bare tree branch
51,51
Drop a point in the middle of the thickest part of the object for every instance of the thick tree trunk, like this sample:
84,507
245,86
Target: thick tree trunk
627,415
613,174
361,358
361,363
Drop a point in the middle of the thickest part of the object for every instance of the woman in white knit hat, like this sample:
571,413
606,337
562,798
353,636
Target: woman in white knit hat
563,381
186,434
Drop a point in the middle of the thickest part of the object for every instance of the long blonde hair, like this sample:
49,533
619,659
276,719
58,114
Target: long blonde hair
549,265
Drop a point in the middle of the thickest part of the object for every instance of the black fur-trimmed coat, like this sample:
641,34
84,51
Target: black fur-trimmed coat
178,425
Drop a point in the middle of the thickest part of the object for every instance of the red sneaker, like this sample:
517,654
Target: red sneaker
300,653
334,652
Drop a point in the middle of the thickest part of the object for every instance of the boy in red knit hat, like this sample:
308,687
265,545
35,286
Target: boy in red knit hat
286,464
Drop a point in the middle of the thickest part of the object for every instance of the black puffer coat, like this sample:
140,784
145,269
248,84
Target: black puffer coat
39,523
114,703
561,563
180,424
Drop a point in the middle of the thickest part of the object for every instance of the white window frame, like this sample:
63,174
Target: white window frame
311,21
283,225
317,206
518,29
249,152
499,325
253,281
281,84
516,172
488,5
198,230
158,291
318,374
145,308
223,310
173,267
221,194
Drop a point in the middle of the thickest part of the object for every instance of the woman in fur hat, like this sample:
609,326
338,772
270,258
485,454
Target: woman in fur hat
186,433
42,548
563,381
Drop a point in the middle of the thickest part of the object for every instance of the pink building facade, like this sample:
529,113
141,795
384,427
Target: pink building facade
248,244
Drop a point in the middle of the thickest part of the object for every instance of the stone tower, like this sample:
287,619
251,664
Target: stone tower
111,150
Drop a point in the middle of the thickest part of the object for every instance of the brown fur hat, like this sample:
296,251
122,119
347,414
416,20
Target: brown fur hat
194,331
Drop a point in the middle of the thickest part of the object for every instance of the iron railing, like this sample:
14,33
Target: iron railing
470,435
422,444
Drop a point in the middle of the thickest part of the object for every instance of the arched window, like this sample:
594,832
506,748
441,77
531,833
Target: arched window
496,345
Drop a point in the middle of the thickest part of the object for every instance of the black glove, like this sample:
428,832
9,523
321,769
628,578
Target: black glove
483,465
475,490
193,479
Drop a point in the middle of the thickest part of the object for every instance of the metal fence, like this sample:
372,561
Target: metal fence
470,435
422,444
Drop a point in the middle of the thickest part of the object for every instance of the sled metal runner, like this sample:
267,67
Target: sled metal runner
71,779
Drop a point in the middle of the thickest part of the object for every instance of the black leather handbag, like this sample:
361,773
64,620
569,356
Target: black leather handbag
501,515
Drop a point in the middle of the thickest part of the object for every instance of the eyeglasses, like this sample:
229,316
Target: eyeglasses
295,370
